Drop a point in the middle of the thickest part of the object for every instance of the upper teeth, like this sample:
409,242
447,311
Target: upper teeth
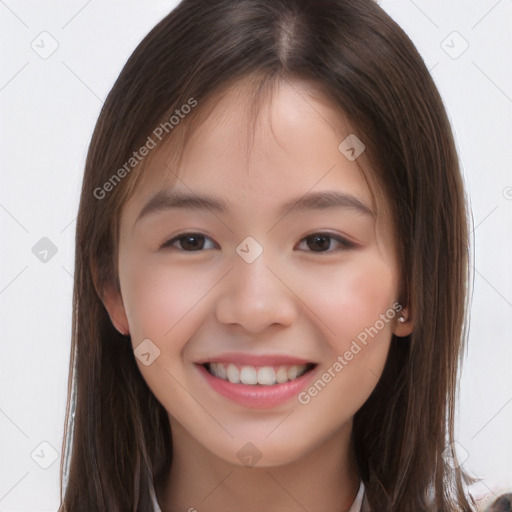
264,375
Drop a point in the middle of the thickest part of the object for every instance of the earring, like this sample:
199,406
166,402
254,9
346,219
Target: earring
401,319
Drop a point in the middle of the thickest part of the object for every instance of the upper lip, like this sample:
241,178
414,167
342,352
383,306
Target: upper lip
255,360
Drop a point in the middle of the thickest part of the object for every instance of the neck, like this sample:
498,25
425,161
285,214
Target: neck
324,480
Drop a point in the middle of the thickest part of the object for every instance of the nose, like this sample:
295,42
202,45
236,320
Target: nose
255,296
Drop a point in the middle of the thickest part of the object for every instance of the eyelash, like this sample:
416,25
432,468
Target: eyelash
342,241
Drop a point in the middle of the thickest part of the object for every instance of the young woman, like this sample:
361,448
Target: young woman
271,271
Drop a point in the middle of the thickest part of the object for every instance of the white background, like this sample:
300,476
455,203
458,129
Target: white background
48,108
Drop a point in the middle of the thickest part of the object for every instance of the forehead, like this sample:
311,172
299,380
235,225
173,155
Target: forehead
285,144
290,131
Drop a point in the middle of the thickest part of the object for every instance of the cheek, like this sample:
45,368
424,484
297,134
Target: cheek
358,296
161,299
163,304
353,298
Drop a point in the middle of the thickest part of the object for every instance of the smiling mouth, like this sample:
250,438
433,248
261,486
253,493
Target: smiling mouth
257,375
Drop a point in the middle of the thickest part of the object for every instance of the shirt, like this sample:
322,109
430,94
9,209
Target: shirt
360,504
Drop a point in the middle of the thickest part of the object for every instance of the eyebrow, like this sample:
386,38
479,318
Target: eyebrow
174,199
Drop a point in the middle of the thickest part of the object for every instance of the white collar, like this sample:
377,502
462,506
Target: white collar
356,506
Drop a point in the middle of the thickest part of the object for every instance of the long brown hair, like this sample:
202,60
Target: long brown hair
118,439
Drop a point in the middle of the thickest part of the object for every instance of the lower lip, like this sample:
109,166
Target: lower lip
257,396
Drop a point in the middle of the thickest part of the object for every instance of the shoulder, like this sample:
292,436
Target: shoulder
502,503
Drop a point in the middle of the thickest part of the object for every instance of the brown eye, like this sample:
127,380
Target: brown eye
322,242
187,242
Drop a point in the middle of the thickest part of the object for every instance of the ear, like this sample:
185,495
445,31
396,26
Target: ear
113,302
403,328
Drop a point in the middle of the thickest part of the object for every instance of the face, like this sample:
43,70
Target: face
265,321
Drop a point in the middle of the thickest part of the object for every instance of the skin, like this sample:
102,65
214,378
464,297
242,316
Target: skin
296,298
